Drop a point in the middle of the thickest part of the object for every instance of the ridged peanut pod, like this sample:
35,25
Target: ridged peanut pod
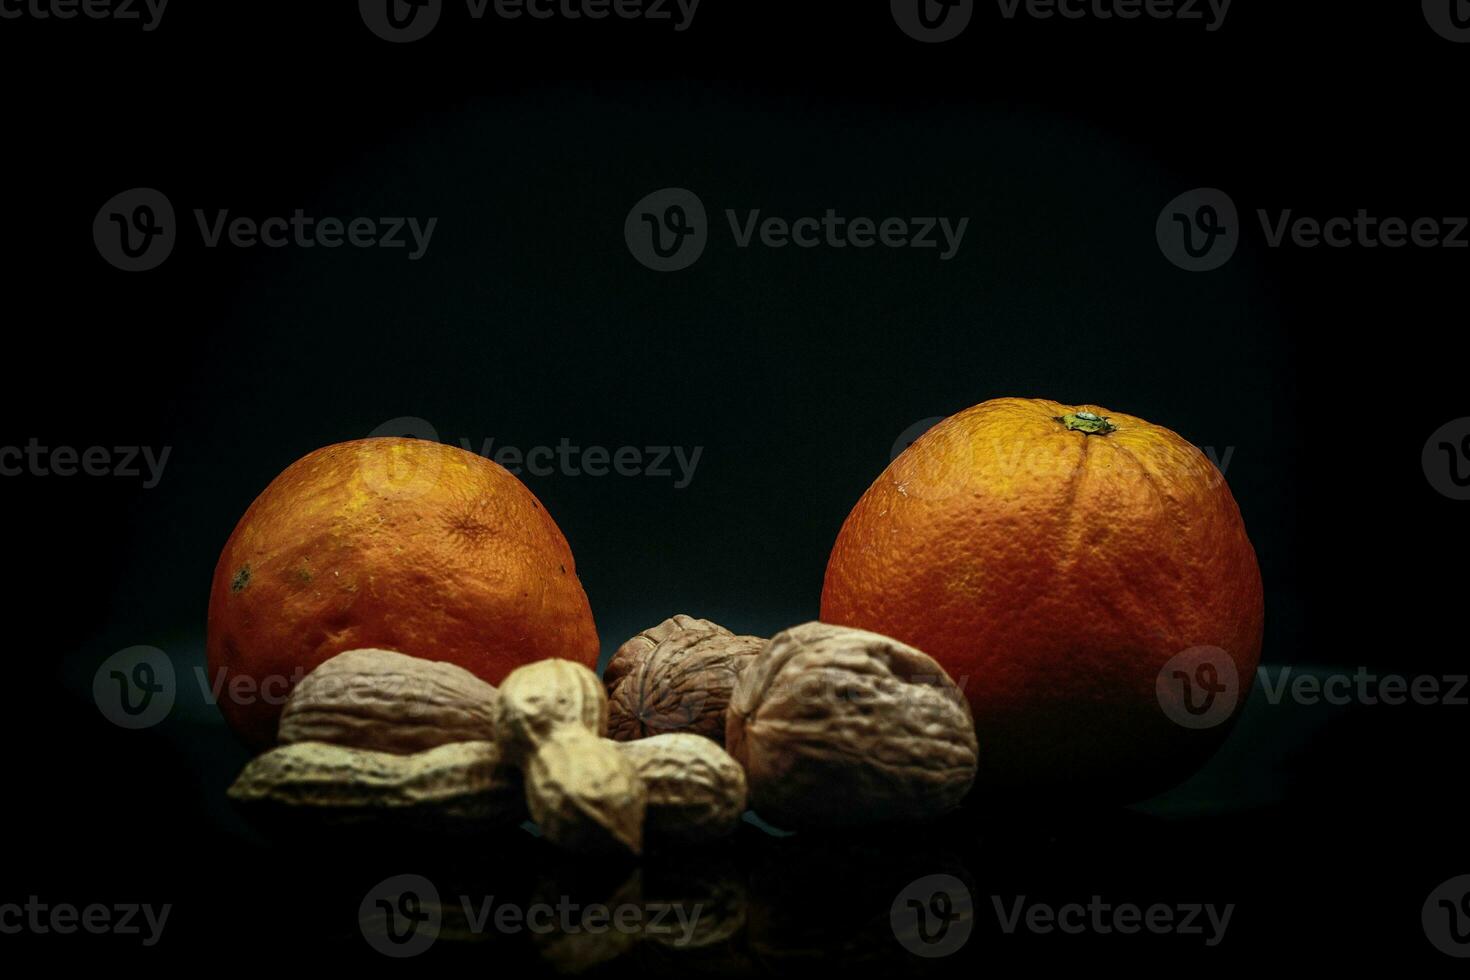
696,791
585,795
462,782
389,702
545,697
581,791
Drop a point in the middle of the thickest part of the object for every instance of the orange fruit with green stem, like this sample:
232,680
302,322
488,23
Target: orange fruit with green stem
1085,576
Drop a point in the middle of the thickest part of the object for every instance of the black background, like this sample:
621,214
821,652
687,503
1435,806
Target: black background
1322,370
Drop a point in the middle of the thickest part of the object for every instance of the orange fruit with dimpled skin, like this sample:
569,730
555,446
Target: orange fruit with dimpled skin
399,544
1054,559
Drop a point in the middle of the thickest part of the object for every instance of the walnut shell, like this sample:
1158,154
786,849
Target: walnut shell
389,702
628,655
541,699
681,684
696,791
839,727
585,795
459,783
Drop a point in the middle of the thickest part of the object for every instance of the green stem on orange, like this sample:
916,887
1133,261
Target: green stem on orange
1086,422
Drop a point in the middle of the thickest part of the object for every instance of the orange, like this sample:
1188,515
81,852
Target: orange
400,544
1083,574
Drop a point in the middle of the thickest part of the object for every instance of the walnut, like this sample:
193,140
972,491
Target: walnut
630,653
839,727
679,684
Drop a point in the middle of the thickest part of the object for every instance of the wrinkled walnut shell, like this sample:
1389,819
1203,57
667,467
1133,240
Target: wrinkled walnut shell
389,702
839,727
681,684
696,791
630,653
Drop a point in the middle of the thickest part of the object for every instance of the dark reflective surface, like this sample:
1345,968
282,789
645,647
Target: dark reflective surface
1318,374
1291,844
